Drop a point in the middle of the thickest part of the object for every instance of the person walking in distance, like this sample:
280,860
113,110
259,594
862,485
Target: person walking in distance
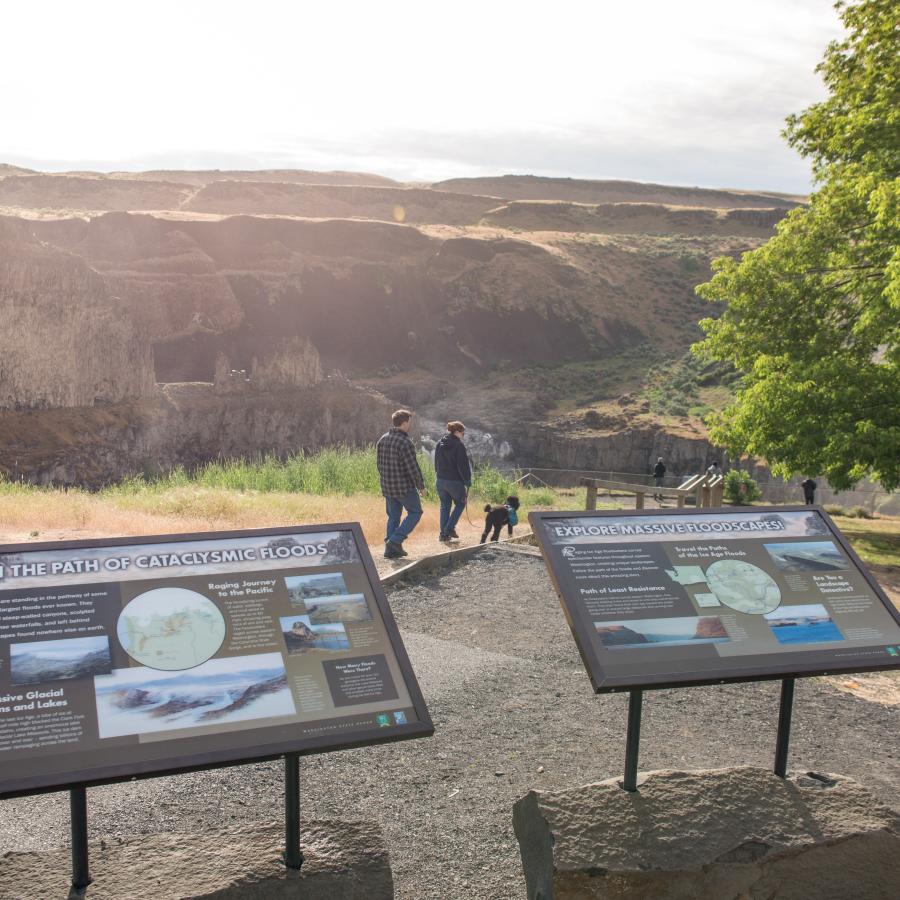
659,473
809,491
454,478
401,482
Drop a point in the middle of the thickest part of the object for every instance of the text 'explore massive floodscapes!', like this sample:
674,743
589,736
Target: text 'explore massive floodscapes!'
687,597
142,656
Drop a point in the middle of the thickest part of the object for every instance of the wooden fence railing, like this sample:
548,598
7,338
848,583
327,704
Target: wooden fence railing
706,489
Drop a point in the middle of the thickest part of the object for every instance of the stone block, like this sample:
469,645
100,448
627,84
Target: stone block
343,861
735,834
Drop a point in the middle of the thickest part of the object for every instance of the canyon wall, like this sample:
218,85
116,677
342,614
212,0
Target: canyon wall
169,318
633,449
64,340
185,425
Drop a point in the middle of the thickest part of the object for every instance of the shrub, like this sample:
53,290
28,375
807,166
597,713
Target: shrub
860,512
834,509
740,488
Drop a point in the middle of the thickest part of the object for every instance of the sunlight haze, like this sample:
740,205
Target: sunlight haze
692,93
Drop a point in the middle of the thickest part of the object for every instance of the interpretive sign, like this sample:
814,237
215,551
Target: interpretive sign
145,656
688,597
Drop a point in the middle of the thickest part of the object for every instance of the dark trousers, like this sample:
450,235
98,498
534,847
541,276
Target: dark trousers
396,531
452,495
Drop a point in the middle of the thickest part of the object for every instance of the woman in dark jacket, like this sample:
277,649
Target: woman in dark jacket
454,477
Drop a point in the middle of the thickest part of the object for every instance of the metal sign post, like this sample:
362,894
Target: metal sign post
81,876
633,740
293,856
784,727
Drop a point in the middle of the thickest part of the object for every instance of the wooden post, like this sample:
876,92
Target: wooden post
717,493
681,501
591,496
705,496
639,500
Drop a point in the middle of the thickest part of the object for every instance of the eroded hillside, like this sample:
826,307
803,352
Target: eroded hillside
530,307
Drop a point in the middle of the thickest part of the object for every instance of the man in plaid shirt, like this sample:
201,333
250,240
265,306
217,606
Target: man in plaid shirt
401,482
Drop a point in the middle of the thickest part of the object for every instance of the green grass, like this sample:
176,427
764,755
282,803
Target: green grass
876,540
336,471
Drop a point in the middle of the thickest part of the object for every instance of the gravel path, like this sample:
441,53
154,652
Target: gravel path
513,709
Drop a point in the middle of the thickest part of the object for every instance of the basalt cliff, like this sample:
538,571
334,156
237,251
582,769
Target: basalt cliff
162,318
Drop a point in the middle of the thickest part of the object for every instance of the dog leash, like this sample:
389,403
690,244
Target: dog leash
466,494
466,508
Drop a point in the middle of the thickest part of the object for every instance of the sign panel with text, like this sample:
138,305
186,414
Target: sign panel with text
145,656
679,597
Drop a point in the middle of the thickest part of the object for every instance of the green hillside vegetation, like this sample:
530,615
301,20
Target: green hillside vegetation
689,387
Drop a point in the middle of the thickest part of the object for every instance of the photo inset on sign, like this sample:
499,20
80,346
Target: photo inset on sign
682,630
56,660
743,587
807,624
807,556
221,691
349,608
302,636
171,628
303,588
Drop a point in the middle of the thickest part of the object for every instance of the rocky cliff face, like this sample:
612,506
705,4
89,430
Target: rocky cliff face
88,192
634,218
206,328
186,425
611,635
710,627
582,190
65,341
628,450
365,294
390,204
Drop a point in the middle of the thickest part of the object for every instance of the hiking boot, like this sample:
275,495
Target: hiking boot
402,551
393,551
444,538
452,533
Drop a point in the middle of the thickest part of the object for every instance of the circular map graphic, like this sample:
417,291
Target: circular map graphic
743,587
171,628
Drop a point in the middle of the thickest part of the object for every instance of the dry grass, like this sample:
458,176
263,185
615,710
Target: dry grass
28,514
876,687
44,515
31,515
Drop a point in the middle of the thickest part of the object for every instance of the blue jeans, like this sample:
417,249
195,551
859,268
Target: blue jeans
396,531
450,493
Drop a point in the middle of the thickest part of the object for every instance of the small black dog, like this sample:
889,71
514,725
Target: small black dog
498,516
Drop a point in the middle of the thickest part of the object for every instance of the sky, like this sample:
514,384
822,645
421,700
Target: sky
691,93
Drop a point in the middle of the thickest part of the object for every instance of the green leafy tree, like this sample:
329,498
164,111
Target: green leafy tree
812,318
